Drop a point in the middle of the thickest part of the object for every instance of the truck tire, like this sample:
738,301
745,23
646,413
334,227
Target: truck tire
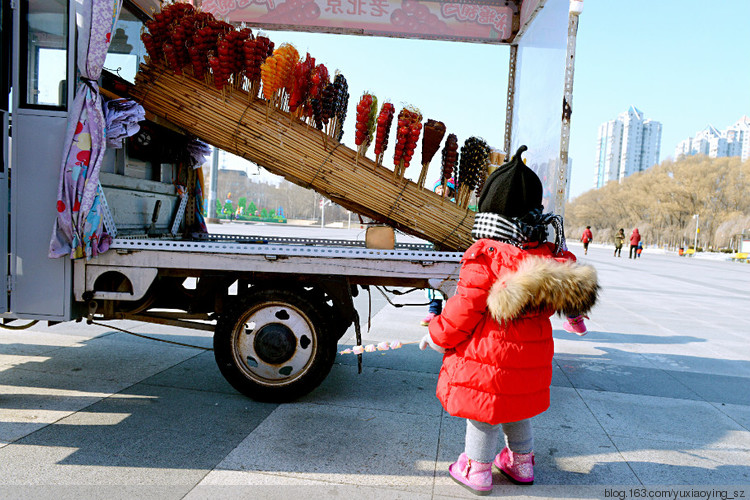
273,345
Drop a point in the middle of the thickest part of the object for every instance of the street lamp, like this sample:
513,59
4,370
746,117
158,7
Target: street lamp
697,230
323,203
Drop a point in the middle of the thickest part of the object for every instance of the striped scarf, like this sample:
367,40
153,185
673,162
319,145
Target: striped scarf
520,231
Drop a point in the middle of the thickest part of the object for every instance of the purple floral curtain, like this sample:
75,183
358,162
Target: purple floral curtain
79,228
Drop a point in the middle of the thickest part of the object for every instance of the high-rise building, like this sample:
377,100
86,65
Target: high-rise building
626,145
714,143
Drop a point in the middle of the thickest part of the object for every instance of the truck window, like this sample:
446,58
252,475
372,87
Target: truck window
44,62
126,50
141,156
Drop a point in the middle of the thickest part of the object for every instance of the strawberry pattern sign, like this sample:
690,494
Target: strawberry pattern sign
400,18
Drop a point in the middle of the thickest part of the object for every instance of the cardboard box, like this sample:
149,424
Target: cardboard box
380,238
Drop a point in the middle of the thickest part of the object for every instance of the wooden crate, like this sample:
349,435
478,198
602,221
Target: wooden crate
303,155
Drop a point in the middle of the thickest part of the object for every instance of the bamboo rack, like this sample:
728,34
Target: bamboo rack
288,147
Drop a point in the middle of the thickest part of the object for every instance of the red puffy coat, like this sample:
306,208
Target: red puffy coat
635,237
496,329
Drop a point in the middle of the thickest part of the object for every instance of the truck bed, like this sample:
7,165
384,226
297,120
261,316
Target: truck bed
141,259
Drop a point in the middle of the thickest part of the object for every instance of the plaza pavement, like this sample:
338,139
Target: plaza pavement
656,395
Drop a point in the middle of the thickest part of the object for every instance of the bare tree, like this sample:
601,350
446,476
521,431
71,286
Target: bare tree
663,201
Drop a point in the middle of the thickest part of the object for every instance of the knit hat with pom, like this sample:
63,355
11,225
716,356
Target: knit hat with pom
512,190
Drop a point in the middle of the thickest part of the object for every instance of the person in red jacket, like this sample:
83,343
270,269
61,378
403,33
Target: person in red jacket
586,238
635,238
495,332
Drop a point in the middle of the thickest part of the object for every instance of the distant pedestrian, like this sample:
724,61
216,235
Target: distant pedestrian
495,331
639,249
586,238
635,238
619,242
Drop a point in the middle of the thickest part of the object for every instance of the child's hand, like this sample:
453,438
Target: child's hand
427,341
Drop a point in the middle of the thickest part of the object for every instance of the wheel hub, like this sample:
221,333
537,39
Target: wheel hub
275,343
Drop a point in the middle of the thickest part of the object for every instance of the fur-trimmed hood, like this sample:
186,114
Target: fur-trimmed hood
539,283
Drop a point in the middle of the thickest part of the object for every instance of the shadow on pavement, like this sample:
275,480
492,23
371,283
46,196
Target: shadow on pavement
170,410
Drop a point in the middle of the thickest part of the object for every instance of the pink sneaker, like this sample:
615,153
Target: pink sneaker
518,467
426,321
575,325
472,475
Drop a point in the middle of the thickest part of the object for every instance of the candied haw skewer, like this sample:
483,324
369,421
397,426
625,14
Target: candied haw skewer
155,53
157,27
260,49
328,100
179,36
317,113
172,60
215,65
252,70
202,42
431,138
225,50
371,122
301,89
291,59
449,159
385,118
402,131
318,80
415,129
198,62
475,155
363,116
407,134
288,57
248,52
270,76
239,50
235,59
342,102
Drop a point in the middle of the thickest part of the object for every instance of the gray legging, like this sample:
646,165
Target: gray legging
482,439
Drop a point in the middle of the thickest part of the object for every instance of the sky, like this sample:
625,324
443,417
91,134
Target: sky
684,63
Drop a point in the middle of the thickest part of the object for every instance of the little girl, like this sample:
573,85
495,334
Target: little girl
495,331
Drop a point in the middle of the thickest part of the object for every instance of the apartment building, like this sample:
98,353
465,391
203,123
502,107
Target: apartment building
626,145
714,143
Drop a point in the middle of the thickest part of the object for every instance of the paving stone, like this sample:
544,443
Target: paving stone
143,435
658,463
379,389
113,357
342,444
230,485
677,421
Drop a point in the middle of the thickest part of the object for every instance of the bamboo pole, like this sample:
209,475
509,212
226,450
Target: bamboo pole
240,127
423,175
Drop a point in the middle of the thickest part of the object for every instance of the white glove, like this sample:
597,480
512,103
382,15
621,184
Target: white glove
427,341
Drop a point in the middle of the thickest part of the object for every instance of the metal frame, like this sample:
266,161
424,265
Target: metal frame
180,214
302,241
108,220
562,174
511,99
141,261
340,249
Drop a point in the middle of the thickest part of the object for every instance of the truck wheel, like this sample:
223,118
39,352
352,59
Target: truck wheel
273,345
